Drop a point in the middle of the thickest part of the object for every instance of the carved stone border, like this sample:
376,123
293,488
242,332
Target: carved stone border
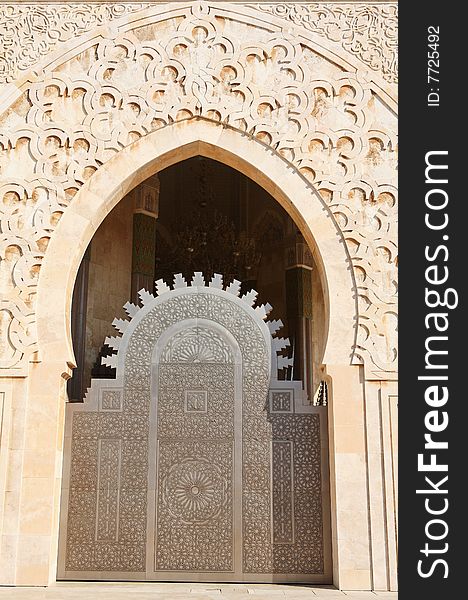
30,31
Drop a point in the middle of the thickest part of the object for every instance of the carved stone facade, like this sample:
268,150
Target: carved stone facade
330,121
235,471
94,99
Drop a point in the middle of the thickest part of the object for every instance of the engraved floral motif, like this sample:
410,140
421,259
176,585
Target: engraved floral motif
194,491
30,31
365,30
111,400
281,401
197,345
196,401
195,505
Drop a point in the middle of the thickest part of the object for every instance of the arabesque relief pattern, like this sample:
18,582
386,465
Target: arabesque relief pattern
268,83
282,524
368,31
30,32
195,431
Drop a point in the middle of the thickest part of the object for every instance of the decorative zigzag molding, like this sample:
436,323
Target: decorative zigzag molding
278,344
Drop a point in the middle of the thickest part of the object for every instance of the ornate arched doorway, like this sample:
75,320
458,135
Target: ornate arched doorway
107,103
196,462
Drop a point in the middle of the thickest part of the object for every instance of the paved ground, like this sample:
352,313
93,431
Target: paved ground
186,591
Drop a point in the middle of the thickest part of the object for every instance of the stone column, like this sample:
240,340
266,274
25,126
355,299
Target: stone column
382,441
32,447
351,543
299,309
144,236
76,387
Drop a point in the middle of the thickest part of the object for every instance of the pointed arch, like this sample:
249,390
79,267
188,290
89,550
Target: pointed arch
157,151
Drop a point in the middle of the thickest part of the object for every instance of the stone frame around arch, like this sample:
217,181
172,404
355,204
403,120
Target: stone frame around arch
46,389
157,151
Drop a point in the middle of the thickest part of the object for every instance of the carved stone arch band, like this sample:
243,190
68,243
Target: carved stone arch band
331,120
163,148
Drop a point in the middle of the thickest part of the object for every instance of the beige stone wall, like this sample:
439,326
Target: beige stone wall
70,152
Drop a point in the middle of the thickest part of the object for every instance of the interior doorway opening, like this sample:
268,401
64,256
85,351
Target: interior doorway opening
199,215
196,444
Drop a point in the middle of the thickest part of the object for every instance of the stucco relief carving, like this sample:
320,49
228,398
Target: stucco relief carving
323,120
365,30
199,486
30,31
195,506
196,345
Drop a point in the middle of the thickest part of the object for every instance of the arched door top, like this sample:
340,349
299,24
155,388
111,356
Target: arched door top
156,71
159,150
200,293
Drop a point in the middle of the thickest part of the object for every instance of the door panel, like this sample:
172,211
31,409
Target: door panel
194,523
196,460
196,463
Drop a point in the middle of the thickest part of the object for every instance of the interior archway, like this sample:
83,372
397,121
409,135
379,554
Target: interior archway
198,215
157,151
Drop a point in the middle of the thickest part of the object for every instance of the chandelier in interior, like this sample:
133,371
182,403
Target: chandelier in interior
207,240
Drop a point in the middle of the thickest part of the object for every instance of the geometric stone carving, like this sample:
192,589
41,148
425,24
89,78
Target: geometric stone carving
225,470
283,492
111,400
368,31
107,518
281,401
329,120
196,401
195,345
195,507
